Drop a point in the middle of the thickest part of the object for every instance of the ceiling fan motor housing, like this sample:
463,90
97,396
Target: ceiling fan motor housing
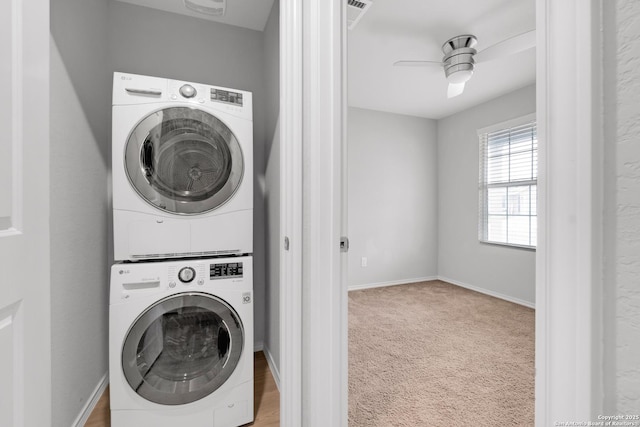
458,58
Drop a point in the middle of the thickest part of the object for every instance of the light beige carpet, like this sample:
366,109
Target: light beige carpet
434,354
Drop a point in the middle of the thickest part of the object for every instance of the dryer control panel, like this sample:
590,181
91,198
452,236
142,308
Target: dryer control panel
134,89
227,96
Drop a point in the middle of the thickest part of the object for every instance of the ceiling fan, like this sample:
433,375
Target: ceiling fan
460,57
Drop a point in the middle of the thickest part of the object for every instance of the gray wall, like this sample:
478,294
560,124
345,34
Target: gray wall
272,332
272,195
79,104
271,71
392,185
461,257
622,201
155,43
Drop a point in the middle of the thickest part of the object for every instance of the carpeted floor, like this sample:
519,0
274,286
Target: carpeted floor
434,354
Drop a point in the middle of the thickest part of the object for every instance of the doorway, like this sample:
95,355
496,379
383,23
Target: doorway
415,145
564,267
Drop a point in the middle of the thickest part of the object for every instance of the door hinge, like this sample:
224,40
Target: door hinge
344,244
286,243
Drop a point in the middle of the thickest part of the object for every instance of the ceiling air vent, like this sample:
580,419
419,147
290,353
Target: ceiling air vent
207,7
355,10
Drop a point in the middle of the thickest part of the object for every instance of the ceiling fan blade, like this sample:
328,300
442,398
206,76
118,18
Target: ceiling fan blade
417,63
455,89
507,47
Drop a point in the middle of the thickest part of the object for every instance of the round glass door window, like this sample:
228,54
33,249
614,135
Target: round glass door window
183,160
182,348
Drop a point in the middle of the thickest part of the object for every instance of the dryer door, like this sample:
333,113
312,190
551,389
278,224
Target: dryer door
182,348
183,160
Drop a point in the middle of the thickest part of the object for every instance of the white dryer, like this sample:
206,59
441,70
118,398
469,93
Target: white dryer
181,343
182,160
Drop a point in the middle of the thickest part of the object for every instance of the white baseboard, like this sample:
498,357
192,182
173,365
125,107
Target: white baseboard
92,402
258,346
488,292
272,366
391,283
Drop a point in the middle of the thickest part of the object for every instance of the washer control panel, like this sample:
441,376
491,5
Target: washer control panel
225,270
139,280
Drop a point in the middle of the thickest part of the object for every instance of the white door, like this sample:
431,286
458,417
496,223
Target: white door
25,347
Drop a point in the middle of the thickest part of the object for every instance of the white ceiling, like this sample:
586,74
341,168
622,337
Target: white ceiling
395,30
252,14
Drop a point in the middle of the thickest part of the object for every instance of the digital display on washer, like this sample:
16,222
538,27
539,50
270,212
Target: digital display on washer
225,270
226,96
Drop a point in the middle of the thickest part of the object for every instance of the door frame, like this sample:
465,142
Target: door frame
569,256
290,238
313,315
569,259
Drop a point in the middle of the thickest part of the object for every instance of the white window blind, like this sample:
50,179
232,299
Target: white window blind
508,185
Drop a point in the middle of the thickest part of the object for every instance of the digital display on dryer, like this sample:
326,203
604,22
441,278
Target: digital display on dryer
227,270
226,96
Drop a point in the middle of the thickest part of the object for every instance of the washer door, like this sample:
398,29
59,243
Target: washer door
183,160
182,348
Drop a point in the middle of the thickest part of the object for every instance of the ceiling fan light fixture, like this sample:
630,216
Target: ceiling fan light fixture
461,76
459,73
459,58
459,42
458,63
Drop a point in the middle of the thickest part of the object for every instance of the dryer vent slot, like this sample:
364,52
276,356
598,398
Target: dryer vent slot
233,252
140,285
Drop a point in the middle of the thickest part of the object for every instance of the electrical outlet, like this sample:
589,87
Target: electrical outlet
363,261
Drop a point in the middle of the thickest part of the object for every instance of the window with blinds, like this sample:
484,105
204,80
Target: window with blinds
508,184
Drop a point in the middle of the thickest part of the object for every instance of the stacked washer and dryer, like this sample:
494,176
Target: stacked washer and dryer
181,298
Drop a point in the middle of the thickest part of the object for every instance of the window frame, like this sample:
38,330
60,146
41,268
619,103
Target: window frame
483,185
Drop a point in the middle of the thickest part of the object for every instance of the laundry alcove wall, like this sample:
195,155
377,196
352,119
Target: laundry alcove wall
79,172
91,40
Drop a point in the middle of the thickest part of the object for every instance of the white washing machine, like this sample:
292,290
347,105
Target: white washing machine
182,157
181,343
